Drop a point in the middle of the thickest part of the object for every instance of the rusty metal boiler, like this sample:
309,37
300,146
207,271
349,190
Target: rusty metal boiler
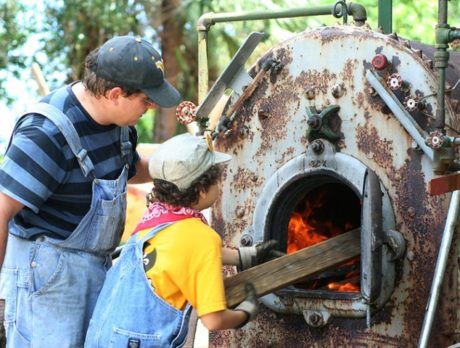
324,121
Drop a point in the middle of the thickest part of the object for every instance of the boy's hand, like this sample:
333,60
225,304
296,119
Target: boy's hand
250,305
257,254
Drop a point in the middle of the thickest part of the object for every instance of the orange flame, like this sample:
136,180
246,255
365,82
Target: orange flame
304,231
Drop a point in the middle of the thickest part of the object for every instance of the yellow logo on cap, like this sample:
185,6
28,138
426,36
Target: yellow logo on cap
208,139
159,64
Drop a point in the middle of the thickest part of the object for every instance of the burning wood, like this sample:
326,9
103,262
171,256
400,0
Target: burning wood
347,275
286,270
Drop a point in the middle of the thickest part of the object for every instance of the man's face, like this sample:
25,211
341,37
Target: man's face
130,109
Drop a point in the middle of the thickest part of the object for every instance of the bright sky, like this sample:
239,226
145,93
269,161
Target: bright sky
25,91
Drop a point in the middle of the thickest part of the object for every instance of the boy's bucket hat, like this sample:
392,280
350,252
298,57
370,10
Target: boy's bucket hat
133,62
183,158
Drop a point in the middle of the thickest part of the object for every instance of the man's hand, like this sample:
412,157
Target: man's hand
250,305
257,254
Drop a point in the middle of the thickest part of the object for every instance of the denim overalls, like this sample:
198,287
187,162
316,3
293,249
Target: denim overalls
51,285
128,313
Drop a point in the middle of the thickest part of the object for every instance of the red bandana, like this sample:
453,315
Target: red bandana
159,213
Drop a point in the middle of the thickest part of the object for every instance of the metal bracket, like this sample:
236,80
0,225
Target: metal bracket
234,76
316,318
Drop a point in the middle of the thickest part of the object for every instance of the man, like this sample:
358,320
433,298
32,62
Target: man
63,191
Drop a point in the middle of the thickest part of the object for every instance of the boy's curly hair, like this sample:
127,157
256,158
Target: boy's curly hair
97,85
166,192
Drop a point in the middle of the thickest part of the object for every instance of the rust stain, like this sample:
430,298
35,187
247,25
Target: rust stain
288,154
375,148
244,180
292,331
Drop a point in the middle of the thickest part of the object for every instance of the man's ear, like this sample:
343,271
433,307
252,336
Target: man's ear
114,94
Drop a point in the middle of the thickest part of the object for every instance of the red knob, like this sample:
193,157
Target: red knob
379,62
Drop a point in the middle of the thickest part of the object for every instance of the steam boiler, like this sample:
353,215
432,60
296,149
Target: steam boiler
339,129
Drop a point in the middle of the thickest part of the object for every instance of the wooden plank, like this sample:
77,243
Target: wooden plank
444,184
288,269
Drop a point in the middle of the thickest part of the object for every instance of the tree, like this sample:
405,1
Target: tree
69,29
13,36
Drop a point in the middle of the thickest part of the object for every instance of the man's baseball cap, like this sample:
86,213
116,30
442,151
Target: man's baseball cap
183,158
133,62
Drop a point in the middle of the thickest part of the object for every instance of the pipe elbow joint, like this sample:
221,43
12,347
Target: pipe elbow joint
205,21
358,12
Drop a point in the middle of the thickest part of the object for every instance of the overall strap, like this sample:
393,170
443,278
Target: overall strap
67,129
152,233
126,146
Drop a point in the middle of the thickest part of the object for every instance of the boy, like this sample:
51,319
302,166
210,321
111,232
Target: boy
174,262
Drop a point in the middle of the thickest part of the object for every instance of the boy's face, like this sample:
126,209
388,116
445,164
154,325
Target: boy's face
208,198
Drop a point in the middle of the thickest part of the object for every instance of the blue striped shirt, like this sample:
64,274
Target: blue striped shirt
40,171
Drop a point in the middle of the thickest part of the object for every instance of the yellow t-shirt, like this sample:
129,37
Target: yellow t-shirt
184,264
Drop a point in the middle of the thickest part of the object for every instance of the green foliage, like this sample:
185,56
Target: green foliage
14,31
145,127
77,27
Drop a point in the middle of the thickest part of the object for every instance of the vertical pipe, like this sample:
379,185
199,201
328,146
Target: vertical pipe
441,58
440,269
442,12
202,64
386,15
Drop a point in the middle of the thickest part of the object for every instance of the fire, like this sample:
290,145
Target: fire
307,227
301,235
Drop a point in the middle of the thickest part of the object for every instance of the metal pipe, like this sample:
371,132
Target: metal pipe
440,269
386,16
454,34
203,77
357,11
208,19
441,58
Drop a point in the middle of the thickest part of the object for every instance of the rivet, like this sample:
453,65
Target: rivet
337,91
246,240
263,113
240,212
138,39
317,146
110,49
372,91
135,58
411,212
33,264
310,93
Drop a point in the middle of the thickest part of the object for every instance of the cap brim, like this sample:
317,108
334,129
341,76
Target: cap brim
164,95
220,157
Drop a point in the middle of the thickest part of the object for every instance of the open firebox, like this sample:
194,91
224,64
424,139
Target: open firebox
303,204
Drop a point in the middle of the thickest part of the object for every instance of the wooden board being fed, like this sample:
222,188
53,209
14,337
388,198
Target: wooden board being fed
286,270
